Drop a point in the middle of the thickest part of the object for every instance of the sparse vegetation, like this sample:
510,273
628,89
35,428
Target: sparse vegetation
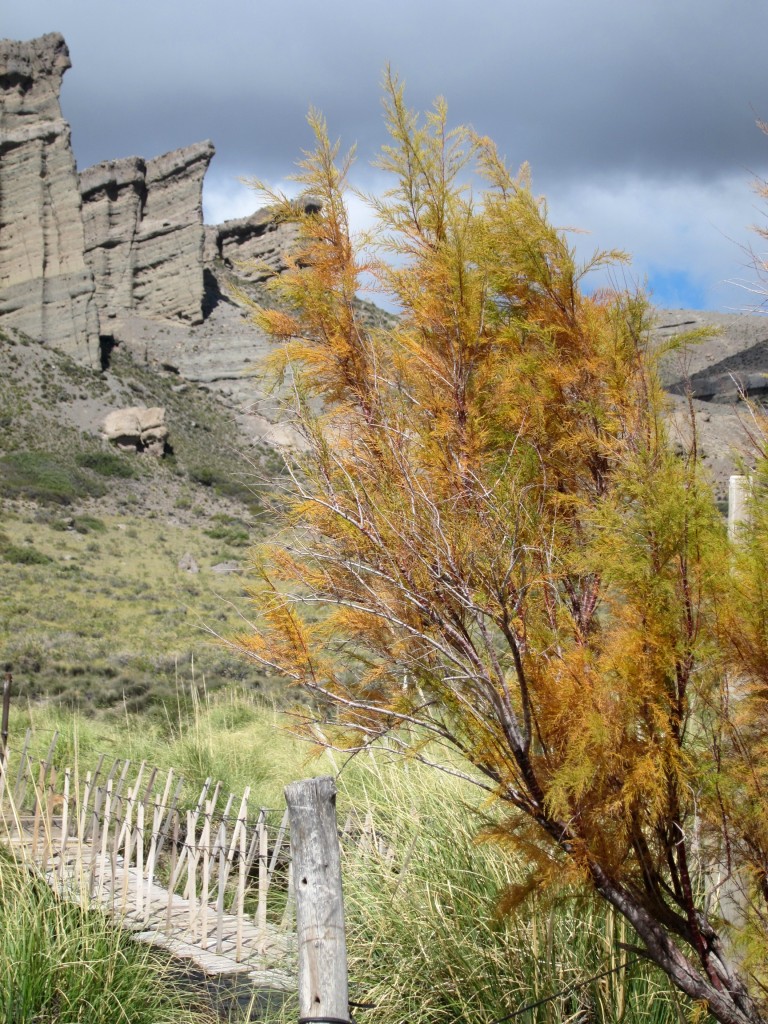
229,529
107,463
95,611
18,554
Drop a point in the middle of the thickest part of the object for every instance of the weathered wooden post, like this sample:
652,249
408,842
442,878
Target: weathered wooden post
322,947
6,709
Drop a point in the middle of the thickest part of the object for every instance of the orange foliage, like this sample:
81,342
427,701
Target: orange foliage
492,545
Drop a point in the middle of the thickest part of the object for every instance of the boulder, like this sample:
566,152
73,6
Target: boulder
137,429
46,287
187,563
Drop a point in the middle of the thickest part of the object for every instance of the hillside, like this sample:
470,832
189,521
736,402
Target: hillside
94,606
712,375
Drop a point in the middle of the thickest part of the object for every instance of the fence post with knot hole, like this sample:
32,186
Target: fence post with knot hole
322,948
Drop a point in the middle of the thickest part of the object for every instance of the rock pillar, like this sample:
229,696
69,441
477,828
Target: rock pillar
46,287
144,232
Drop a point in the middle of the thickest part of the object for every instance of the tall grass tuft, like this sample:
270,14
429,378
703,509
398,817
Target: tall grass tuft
60,964
427,944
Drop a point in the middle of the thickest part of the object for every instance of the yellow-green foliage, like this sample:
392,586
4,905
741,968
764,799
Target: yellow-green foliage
60,964
492,543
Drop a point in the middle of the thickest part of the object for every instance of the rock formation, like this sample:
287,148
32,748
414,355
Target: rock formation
254,247
134,250
144,233
188,563
46,287
114,194
137,429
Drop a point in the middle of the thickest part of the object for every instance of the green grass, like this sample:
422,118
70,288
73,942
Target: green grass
108,463
428,944
94,611
47,477
232,735
230,529
18,554
88,524
426,940
113,620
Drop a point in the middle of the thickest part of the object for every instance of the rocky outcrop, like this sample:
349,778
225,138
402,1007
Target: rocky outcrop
144,233
728,361
188,563
46,287
137,429
255,246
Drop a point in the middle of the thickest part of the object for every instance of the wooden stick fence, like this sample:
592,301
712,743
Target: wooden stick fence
211,878
217,874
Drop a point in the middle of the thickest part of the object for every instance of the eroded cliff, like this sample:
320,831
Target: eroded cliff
46,287
144,233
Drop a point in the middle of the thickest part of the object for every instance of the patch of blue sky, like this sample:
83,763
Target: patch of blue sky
677,289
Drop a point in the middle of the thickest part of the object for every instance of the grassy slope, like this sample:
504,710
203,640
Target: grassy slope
107,616
93,606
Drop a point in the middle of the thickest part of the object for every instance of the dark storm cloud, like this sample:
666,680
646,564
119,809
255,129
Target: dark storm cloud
656,85
593,94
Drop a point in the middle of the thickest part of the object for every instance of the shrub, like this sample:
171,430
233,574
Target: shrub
233,533
107,463
46,477
19,555
226,482
89,524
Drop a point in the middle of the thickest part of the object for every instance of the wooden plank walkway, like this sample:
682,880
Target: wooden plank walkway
183,927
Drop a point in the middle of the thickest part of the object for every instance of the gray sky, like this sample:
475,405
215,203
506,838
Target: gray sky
637,118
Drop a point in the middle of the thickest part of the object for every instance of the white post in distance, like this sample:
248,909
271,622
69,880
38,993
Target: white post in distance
739,493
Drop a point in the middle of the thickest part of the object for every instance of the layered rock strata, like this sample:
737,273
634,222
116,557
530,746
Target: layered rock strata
144,233
46,287
254,246
114,195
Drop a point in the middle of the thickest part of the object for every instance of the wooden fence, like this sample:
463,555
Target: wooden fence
215,874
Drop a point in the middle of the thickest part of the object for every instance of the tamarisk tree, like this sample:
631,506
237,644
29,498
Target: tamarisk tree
491,545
